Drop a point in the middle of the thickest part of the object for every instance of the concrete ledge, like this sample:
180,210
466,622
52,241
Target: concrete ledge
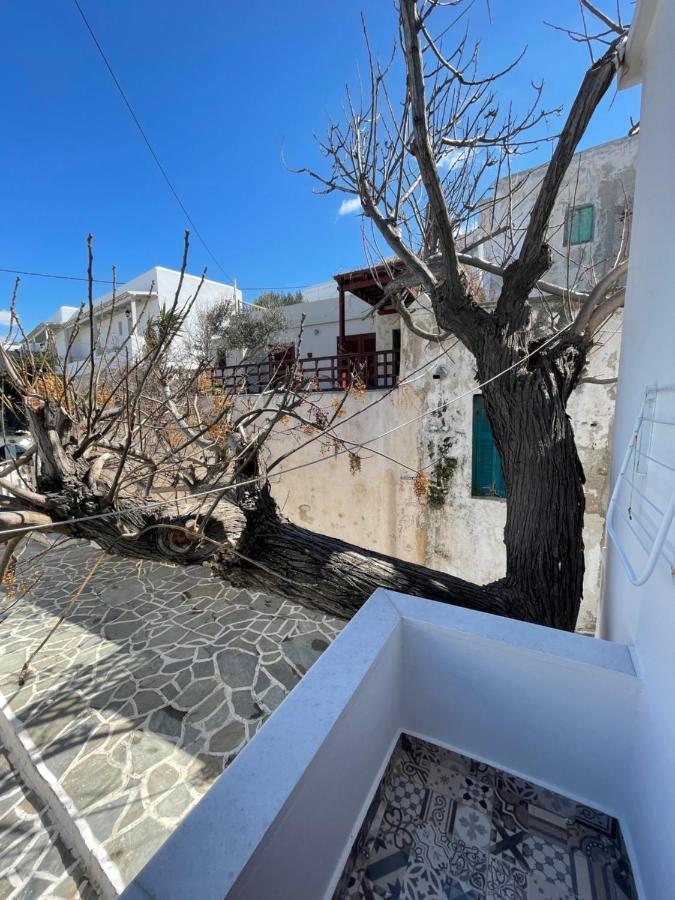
73,829
298,760
282,818
577,648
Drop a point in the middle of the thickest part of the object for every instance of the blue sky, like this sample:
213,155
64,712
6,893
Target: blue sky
220,88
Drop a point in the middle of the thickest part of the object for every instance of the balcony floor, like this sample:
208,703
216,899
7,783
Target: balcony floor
442,825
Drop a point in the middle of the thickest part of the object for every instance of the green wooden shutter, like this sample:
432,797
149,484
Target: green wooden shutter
581,225
487,478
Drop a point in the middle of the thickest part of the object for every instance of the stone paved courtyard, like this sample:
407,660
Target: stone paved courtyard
151,686
33,861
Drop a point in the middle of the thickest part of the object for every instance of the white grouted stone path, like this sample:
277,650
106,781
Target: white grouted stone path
152,685
33,860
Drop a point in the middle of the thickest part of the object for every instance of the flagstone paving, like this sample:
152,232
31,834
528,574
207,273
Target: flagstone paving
33,860
152,685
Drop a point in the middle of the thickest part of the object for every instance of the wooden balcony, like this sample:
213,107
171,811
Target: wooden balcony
376,370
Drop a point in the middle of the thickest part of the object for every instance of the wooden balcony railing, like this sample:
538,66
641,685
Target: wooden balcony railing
375,370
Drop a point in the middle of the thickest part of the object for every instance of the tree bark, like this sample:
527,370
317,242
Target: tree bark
544,483
251,546
332,575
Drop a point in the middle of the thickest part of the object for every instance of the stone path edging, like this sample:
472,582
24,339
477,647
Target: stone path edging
72,827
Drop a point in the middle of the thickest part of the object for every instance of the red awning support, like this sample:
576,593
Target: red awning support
341,318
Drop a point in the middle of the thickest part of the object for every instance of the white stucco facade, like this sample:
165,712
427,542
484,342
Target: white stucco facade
645,616
122,323
321,326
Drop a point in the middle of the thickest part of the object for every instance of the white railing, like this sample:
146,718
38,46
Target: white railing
634,499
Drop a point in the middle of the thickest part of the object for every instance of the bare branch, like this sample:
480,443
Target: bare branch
616,27
10,520
587,321
8,555
23,493
589,379
434,337
407,281
603,311
182,422
422,149
534,258
12,464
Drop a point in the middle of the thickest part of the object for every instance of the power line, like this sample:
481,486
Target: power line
146,139
311,462
274,287
52,275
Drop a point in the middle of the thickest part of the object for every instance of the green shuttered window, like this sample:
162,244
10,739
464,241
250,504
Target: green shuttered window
487,479
579,224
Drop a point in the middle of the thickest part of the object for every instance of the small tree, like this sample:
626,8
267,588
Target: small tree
276,300
252,331
222,327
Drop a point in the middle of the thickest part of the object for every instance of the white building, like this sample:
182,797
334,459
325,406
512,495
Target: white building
321,327
120,323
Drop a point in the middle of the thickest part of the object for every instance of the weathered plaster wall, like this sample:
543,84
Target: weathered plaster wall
603,176
375,507
465,535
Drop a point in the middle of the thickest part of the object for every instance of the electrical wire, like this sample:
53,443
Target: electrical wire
273,287
224,488
146,139
51,275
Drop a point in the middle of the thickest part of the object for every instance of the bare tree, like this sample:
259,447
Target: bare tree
430,164
155,461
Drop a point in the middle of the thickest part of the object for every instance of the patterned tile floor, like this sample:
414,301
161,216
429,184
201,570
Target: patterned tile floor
151,686
33,861
444,827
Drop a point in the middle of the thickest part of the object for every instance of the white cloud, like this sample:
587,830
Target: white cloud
5,317
347,207
453,158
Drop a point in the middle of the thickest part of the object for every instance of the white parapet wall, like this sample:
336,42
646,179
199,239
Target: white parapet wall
72,828
281,820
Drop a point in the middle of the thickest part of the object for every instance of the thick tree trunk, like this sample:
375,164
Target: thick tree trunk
332,575
250,546
545,496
